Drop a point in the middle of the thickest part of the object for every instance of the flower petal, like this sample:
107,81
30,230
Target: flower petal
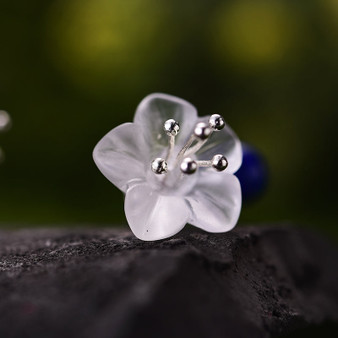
154,110
152,216
223,142
120,155
215,202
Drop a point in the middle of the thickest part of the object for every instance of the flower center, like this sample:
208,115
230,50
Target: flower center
173,174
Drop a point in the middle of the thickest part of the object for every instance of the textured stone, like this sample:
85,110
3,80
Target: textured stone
251,282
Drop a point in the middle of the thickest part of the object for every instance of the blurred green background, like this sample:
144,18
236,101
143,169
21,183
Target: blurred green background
71,70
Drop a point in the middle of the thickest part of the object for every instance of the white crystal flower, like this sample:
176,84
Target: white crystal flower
174,168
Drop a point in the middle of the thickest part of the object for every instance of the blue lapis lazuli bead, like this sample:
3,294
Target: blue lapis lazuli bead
253,174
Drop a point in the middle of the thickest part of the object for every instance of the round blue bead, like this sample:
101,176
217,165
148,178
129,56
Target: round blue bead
253,174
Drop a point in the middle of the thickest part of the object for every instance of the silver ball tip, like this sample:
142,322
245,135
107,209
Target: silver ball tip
216,122
188,166
159,166
219,162
171,127
202,131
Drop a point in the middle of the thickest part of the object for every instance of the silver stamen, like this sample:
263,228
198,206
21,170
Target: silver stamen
200,136
159,166
216,122
185,148
219,162
204,164
188,166
202,131
171,128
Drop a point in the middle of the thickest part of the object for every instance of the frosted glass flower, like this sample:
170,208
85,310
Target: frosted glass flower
165,163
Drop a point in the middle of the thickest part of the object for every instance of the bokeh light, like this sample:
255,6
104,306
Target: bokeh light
5,121
255,34
100,44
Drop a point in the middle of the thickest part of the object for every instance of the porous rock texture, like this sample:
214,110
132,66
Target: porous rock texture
251,282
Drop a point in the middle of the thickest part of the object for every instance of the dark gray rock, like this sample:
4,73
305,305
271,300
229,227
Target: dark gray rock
251,282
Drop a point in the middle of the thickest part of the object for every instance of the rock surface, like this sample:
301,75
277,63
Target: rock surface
251,282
